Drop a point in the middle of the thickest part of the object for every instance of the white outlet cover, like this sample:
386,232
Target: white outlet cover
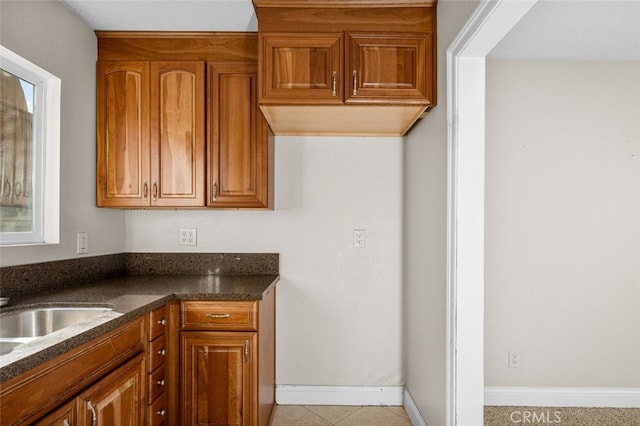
187,237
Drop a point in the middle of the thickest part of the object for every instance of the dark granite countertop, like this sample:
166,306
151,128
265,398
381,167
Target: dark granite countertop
130,296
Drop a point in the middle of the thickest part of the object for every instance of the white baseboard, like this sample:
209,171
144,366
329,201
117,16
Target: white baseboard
412,410
562,397
339,395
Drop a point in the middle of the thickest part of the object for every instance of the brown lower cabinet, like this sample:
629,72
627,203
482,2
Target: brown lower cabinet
57,392
63,416
218,377
118,399
221,352
227,362
115,400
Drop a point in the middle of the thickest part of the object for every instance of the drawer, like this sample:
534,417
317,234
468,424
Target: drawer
157,321
157,354
219,316
157,413
155,384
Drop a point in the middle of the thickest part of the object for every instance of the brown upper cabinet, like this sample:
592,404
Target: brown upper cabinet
178,123
346,67
150,134
239,139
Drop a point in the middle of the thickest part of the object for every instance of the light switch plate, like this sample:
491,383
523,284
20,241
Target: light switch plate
82,243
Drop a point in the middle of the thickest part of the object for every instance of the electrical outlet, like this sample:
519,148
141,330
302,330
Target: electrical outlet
82,246
358,238
187,237
515,359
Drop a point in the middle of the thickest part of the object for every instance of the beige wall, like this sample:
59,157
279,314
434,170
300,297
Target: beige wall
563,223
338,307
50,36
425,232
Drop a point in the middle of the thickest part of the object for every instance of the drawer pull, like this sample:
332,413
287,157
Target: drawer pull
162,321
217,316
93,413
162,352
355,83
160,382
334,77
161,412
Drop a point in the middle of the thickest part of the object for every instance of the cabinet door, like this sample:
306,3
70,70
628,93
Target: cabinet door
122,134
387,67
177,133
62,416
238,146
301,68
116,400
218,378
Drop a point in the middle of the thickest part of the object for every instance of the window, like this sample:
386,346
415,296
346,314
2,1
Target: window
29,152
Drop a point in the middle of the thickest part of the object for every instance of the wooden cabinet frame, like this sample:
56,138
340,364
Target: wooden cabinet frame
28,397
302,68
150,133
119,398
378,80
219,374
227,361
221,163
239,142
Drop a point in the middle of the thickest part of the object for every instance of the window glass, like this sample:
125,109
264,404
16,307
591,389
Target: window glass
16,153
29,152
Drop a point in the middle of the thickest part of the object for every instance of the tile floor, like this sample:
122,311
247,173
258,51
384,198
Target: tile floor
341,415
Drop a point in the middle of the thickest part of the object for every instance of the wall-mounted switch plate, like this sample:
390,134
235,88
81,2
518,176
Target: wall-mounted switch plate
358,238
515,359
82,243
187,237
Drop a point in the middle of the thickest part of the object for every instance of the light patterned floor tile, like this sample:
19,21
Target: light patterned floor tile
374,416
294,415
333,413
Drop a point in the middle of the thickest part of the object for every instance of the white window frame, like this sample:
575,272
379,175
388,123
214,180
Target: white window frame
46,193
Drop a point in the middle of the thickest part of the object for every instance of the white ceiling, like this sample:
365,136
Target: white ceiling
166,15
575,29
567,29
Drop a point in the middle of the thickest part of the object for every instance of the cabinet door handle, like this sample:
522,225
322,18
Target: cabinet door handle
65,422
94,417
162,352
216,316
161,412
214,191
145,190
355,82
334,82
162,321
155,191
160,382
246,351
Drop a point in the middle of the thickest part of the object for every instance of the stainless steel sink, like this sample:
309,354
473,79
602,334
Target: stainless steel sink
42,321
24,326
